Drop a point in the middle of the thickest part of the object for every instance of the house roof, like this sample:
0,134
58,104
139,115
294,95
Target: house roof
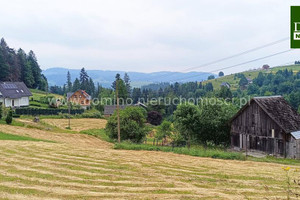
225,84
14,90
84,93
296,135
109,110
278,109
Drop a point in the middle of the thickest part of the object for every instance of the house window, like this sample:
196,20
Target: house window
82,102
17,91
22,91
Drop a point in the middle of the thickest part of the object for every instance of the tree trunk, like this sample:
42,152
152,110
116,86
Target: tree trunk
189,141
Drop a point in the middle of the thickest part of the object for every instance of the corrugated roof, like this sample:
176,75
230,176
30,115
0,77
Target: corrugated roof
296,135
14,90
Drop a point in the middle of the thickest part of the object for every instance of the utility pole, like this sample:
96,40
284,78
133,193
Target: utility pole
118,110
69,110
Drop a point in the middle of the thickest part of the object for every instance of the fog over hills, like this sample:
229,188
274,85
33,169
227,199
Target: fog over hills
58,76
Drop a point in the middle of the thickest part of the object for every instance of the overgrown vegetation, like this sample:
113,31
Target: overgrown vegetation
132,123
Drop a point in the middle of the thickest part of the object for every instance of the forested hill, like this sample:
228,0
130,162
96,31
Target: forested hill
57,76
19,66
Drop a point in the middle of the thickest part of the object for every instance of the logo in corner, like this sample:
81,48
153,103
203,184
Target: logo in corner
295,27
297,31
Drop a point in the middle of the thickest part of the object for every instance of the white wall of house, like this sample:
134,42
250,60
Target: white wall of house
24,101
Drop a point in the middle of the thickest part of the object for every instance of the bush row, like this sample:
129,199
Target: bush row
38,111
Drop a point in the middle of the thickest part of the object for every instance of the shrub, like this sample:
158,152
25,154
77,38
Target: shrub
9,117
164,130
132,124
154,118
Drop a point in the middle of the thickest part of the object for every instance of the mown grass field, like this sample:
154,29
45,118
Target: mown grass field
81,166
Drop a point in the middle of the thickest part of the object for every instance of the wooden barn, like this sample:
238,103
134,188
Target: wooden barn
269,125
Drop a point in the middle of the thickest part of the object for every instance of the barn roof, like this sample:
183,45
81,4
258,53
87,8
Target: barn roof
14,90
278,109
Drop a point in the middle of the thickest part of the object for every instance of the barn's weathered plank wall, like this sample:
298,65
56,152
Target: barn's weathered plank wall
253,128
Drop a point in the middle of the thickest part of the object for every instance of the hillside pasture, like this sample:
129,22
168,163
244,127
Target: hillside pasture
234,82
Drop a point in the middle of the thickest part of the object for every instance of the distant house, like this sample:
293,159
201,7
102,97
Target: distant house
265,67
109,110
14,94
225,84
80,97
250,81
269,125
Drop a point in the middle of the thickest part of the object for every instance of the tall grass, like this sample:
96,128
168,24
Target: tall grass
193,151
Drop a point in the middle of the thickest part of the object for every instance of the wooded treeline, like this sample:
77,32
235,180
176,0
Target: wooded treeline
19,66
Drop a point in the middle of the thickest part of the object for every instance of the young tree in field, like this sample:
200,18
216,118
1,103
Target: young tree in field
9,117
221,74
186,121
132,123
164,130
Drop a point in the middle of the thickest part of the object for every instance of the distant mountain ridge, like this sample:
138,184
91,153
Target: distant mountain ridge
58,76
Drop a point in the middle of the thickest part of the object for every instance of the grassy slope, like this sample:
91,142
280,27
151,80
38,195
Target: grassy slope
249,74
5,136
36,96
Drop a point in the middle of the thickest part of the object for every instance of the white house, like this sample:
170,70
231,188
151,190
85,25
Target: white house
14,94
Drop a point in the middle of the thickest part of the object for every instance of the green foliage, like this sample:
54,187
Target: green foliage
221,74
224,93
214,124
164,130
17,66
186,121
9,117
243,81
211,77
100,133
5,136
132,123
193,151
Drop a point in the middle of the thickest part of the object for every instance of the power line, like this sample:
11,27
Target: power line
250,61
229,57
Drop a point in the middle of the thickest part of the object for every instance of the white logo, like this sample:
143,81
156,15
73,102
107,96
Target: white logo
297,31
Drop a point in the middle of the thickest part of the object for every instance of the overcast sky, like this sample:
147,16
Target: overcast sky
147,35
